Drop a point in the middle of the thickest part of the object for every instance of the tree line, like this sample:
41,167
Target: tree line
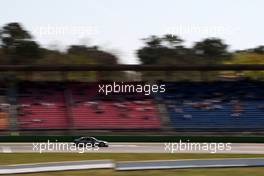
17,46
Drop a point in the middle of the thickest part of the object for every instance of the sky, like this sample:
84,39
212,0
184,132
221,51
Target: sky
119,26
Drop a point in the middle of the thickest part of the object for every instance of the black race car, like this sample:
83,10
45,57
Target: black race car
90,141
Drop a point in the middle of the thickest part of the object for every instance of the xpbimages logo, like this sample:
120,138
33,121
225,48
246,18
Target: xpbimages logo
63,147
147,89
180,146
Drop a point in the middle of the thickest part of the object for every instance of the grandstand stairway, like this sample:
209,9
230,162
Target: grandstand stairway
4,108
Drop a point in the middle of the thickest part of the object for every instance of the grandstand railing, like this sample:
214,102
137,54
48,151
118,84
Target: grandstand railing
211,67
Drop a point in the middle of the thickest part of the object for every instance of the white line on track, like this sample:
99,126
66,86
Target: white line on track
6,149
114,145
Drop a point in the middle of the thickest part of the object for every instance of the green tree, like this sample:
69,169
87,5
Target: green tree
259,49
173,41
98,56
18,45
157,47
211,47
153,41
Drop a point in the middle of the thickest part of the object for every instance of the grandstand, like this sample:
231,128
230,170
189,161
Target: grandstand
215,105
186,105
51,105
92,110
41,105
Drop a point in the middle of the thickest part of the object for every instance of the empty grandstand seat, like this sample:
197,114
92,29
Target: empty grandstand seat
215,105
93,111
41,105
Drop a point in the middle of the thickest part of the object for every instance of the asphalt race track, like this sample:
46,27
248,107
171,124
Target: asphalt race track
122,148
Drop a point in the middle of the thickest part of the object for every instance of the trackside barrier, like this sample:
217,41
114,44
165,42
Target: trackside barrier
132,165
56,166
181,164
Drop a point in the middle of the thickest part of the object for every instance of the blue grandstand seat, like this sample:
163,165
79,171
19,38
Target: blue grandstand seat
215,105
